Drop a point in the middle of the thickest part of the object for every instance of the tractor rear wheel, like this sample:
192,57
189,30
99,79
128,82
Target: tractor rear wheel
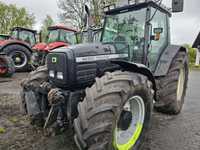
20,56
116,112
172,88
31,95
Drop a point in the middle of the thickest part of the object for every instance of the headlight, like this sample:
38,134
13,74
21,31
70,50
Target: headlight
60,75
51,74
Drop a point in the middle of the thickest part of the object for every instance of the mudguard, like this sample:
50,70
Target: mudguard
138,68
166,58
6,43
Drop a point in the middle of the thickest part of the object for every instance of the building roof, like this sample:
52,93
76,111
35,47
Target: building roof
196,43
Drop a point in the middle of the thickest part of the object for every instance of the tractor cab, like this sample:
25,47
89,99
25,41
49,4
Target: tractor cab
23,34
140,30
61,34
58,36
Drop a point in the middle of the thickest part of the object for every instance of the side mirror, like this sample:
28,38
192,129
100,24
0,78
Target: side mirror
177,5
157,32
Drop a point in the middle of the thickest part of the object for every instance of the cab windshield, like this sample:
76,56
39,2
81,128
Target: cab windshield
24,35
126,31
4,37
60,35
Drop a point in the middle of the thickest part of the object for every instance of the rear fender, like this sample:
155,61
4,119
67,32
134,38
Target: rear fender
15,43
166,59
138,68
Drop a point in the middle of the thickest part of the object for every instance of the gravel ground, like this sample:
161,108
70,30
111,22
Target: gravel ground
180,132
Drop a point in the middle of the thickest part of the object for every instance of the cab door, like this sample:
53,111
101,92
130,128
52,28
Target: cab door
159,21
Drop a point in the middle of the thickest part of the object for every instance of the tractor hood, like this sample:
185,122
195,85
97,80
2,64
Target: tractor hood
78,65
81,50
48,47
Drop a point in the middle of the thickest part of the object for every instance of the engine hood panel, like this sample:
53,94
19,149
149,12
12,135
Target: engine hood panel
81,50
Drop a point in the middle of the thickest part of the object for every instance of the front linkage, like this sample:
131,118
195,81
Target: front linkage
49,107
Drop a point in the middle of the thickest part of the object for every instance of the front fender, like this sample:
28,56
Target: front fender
138,68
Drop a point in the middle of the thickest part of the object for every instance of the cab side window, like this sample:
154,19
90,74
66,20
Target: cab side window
156,46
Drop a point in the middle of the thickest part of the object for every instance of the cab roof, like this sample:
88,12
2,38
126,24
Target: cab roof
6,35
25,29
137,6
61,27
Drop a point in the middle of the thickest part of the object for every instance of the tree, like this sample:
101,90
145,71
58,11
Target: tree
11,16
73,11
48,21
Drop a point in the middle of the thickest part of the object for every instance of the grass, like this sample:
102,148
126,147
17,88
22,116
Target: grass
195,67
2,130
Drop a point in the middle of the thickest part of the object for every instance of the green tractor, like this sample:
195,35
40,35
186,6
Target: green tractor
107,91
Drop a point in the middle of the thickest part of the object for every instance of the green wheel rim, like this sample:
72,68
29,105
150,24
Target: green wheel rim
125,140
180,86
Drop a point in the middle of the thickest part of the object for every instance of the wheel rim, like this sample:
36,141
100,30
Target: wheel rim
126,139
19,58
180,87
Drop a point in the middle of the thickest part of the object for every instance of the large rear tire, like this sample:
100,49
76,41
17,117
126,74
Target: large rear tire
30,93
20,56
172,88
118,103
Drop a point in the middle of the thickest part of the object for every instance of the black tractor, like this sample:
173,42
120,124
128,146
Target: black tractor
107,91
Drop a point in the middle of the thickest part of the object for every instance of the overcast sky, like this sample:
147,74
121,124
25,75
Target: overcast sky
184,26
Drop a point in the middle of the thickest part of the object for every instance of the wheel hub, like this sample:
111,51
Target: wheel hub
18,59
125,120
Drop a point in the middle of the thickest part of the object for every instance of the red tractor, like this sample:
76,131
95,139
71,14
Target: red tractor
58,36
19,47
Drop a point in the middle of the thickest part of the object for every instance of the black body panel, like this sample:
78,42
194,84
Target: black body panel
166,59
77,68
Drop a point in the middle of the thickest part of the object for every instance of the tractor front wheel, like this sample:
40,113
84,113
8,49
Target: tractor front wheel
30,96
116,112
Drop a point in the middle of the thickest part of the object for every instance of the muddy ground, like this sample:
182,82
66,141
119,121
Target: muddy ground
180,132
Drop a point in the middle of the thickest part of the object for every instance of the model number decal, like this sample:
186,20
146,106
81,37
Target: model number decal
100,57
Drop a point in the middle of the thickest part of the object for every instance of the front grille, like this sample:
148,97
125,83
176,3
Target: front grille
86,72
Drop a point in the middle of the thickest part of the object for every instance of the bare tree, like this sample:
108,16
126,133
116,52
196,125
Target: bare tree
73,11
